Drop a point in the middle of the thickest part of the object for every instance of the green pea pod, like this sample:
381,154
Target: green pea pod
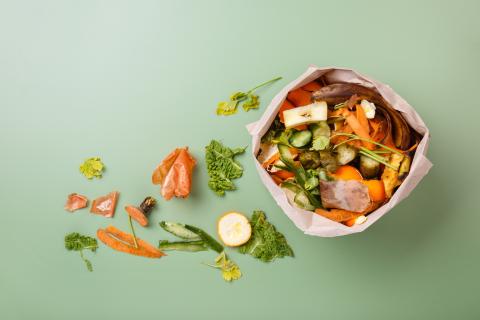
209,240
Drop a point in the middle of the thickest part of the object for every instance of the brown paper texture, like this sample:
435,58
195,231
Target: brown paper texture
310,222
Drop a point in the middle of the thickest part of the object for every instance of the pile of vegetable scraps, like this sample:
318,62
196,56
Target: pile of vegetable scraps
338,149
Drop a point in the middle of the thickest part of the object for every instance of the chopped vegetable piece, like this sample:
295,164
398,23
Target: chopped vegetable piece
124,242
348,195
404,169
286,105
179,230
284,174
222,167
310,159
368,109
376,190
312,86
266,243
311,113
105,205
76,242
340,215
345,154
141,213
337,215
190,246
328,161
234,229
75,201
92,167
369,167
300,97
390,176
174,174
347,173
300,138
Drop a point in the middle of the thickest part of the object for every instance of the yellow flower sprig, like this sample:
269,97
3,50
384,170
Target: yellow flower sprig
250,100
230,270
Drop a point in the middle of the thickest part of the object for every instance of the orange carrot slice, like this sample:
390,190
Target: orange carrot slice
312,86
300,97
376,190
286,105
137,215
347,173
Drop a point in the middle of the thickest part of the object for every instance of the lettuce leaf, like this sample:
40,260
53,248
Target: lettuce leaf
266,242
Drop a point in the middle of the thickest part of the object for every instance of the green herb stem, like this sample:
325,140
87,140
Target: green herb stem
355,137
264,84
133,232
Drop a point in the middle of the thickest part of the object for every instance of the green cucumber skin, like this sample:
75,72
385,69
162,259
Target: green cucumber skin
301,138
190,246
209,241
179,230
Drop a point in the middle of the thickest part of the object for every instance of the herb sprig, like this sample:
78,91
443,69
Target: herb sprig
250,100
76,242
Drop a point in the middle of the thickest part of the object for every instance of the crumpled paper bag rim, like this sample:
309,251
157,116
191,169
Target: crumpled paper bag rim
308,221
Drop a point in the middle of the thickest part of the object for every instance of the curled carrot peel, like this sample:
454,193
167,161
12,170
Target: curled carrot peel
124,242
284,174
357,127
345,216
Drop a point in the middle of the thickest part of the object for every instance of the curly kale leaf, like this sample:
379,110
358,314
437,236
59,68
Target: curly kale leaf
266,242
76,242
221,166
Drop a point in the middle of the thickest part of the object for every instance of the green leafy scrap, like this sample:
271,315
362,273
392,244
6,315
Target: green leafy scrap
266,243
222,167
251,103
76,242
92,167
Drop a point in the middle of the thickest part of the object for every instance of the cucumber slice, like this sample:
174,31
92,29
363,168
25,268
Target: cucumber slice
179,230
301,200
209,241
285,155
190,246
300,138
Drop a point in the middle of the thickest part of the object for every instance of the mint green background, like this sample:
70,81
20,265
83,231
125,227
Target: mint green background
130,80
